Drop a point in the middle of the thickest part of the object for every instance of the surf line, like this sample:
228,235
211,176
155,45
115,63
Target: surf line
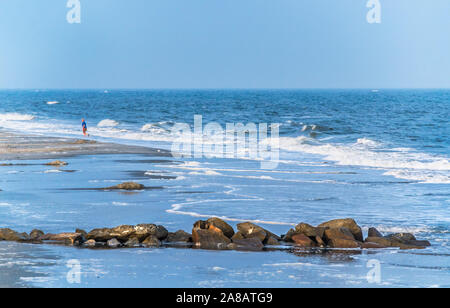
176,209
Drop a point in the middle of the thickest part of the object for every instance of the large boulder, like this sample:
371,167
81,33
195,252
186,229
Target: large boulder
122,233
222,225
348,223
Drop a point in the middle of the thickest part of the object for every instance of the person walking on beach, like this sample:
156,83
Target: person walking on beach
84,126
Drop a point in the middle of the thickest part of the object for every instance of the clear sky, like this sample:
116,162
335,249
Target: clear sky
224,44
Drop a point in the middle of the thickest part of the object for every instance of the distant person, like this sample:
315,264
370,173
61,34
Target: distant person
84,126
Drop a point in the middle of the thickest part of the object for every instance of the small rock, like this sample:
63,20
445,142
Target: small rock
127,186
36,235
250,230
113,243
132,242
151,241
90,243
401,237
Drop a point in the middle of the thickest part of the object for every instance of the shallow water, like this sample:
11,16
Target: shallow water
379,157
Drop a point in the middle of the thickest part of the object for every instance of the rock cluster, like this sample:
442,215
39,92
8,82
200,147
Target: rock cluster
216,234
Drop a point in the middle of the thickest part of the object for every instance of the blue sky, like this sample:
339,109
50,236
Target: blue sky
224,44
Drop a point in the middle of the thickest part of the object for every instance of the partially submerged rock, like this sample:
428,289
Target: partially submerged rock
179,237
207,236
7,234
127,186
57,163
348,223
222,225
249,244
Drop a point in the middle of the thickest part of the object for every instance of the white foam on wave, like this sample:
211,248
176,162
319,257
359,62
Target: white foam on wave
368,153
107,123
13,116
53,103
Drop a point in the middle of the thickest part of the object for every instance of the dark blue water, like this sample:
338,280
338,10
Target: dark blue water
381,157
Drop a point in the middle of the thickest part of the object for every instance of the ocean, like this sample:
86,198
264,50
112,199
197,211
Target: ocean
381,157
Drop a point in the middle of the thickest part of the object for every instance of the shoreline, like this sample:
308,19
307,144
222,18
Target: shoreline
19,146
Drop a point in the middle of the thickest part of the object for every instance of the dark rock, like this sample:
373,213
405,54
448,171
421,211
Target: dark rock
401,237
271,241
419,243
179,236
288,236
249,244
151,241
380,241
345,223
145,230
113,243
338,233
373,232
84,233
303,241
122,233
222,225
132,242
320,242
343,243
369,245
238,236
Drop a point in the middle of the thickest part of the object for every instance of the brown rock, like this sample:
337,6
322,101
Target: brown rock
343,243
338,233
303,241
122,233
179,236
151,241
208,239
222,225
288,236
309,230
401,237
249,244
373,232
90,243
145,230
419,243
84,233
345,223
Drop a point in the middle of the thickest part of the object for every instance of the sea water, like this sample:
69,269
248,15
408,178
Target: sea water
381,157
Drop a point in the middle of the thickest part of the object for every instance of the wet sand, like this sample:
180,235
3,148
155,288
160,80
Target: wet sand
16,146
